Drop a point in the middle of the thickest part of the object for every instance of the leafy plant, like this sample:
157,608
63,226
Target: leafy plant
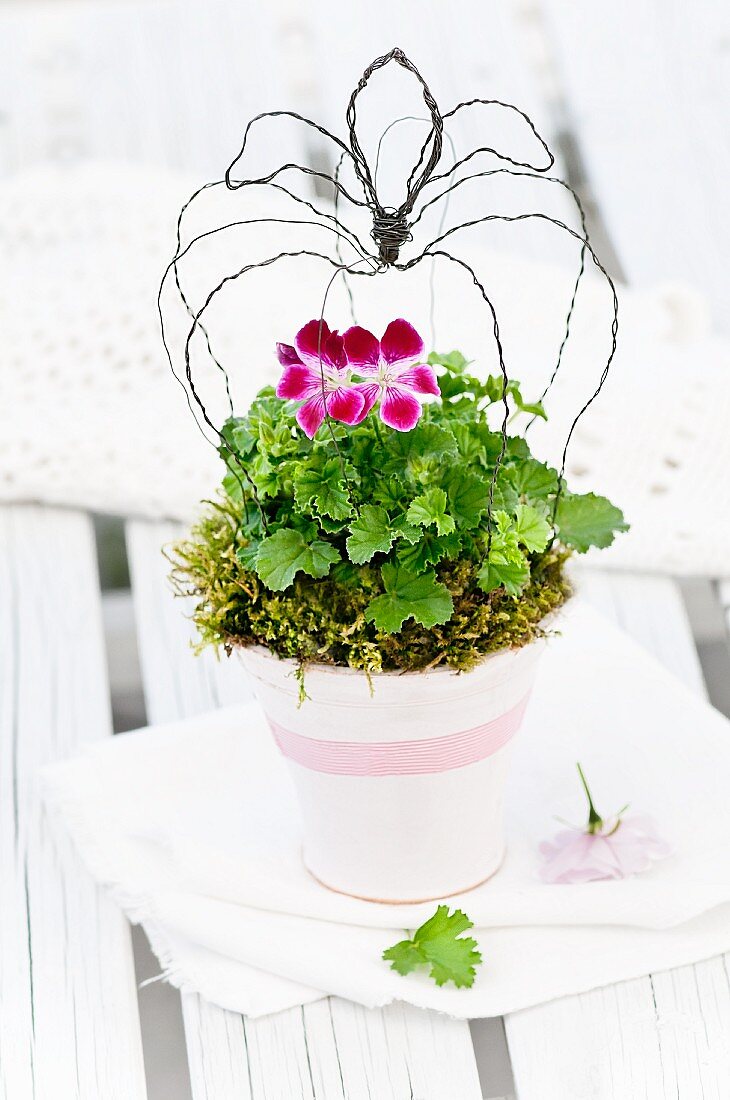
440,945
407,533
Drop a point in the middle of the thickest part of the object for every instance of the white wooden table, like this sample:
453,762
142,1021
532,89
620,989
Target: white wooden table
69,1023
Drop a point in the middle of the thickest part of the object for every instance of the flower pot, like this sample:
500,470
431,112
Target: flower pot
400,789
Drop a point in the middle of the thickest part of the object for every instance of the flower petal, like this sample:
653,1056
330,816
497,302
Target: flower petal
346,404
312,339
421,379
399,409
370,392
297,382
287,354
568,858
400,341
363,350
335,351
573,856
310,415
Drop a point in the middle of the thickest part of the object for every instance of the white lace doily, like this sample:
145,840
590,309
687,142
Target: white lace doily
91,416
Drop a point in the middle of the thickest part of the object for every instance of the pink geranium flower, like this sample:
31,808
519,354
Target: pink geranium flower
317,373
605,849
392,371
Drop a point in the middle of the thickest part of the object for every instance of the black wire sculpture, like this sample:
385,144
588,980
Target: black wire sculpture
392,230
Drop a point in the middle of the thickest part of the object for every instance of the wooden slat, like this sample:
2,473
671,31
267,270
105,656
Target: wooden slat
648,86
325,1051
664,1035
651,609
69,1023
723,591
131,81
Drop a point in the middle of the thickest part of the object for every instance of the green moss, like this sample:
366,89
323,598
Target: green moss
324,620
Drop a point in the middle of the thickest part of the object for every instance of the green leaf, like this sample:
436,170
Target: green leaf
534,480
264,476
500,572
408,595
404,957
247,556
587,520
320,482
506,567
439,945
332,526
274,430
344,572
388,492
504,537
505,494
454,361
370,534
428,550
494,388
233,485
533,530
533,408
451,386
417,452
406,530
238,435
468,498
284,554
470,443
430,509
243,439
517,448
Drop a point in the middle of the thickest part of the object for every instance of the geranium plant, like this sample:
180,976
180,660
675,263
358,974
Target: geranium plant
374,515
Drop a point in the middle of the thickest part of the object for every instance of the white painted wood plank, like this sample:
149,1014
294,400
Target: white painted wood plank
170,83
69,1023
723,591
324,1051
217,1052
175,82
655,1037
651,609
648,87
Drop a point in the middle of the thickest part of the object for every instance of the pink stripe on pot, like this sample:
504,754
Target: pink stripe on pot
427,756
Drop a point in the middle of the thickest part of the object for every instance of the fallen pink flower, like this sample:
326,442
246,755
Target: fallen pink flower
392,371
605,849
317,373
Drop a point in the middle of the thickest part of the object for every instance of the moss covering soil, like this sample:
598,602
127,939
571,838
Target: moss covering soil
324,620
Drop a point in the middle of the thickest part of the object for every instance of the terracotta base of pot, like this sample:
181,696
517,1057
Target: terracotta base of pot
405,901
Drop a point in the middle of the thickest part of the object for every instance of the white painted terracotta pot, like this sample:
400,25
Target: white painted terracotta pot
401,790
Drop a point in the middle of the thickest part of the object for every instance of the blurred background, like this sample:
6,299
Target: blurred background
113,111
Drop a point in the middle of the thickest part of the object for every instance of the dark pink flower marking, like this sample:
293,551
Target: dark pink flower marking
392,371
316,372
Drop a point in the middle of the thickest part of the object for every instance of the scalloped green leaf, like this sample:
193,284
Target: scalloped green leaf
409,596
284,554
370,534
533,529
429,509
587,520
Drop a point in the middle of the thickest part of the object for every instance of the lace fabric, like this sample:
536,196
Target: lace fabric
91,416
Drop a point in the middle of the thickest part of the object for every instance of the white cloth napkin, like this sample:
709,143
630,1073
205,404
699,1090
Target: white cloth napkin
194,826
